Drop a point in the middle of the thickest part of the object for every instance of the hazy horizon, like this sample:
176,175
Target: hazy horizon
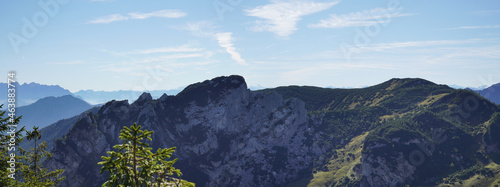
156,45
253,87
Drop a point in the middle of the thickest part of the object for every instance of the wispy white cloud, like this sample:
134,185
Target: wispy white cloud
467,52
226,41
433,51
476,27
170,57
73,62
160,14
179,49
136,15
118,69
363,18
109,18
281,17
176,60
186,48
200,28
394,46
165,58
470,57
136,61
484,12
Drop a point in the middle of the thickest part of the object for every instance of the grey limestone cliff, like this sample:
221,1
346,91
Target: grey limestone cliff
225,135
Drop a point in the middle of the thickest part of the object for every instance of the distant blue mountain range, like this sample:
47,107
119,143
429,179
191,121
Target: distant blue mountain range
29,93
101,97
470,88
492,93
50,110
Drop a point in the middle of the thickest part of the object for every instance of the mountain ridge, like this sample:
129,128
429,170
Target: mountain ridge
50,109
29,93
227,135
101,97
492,93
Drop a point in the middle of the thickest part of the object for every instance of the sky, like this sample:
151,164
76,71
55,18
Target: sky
159,45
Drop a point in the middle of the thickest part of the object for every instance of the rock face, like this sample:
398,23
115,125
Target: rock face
417,133
392,170
491,138
225,135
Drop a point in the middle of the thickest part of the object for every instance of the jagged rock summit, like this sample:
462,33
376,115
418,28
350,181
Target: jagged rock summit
224,133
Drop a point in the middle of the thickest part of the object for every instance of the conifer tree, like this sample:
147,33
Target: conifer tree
133,163
8,145
31,168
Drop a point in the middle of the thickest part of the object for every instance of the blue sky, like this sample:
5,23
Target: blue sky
152,45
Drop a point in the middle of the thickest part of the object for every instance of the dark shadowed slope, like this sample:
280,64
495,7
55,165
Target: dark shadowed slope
50,110
30,93
492,93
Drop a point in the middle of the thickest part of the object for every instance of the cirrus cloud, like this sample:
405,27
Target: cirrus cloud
357,19
137,15
226,41
281,17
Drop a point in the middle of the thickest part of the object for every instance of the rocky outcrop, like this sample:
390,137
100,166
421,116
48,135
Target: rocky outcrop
225,135
416,151
384,166
382,171
491,138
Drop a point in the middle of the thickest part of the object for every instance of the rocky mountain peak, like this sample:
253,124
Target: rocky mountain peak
212,90
114,107
227,135
217,84
143,98
397,83
163,97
